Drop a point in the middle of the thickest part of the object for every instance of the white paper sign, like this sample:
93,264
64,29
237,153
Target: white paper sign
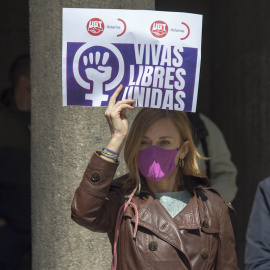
155,55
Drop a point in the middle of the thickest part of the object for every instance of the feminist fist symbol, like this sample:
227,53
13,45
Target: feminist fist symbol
98,76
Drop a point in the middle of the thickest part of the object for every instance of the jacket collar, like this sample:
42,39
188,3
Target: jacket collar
196,214
191,217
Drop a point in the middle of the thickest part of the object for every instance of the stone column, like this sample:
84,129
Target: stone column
63,140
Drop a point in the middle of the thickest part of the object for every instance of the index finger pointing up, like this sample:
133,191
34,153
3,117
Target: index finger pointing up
115,95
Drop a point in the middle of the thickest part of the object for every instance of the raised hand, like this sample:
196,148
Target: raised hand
117,120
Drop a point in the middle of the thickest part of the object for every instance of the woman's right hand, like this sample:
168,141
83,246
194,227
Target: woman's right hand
117,120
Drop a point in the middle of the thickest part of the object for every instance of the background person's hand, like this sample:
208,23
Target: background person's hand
117,120
2,222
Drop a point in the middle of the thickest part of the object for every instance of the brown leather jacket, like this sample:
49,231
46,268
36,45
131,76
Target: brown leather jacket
199,237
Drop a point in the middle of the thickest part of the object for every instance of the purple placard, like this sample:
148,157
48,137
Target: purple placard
155,75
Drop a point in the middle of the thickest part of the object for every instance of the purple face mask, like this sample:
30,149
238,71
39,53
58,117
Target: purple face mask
156,163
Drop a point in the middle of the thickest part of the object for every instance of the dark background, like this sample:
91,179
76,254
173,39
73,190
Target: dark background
234,83
14,34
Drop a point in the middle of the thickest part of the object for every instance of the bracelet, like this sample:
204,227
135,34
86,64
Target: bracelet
109,156
110,151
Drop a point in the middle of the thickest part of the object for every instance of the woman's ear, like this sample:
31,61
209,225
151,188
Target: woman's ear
184,149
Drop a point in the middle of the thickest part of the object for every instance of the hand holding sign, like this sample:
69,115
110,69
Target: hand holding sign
117,120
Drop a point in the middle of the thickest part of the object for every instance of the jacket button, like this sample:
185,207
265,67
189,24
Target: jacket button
153,245
95,176
206,222
205,253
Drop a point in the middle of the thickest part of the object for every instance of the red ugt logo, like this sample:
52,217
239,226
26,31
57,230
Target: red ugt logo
159,29
95,27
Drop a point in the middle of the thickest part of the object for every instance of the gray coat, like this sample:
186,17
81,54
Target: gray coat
257,254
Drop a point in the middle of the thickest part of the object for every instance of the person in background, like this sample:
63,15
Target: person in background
210,143
15,197
257,253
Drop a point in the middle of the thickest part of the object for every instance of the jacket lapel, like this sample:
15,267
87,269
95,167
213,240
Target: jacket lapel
189,217
154,217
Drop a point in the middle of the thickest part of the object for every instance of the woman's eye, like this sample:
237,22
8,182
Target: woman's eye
144,142
165,142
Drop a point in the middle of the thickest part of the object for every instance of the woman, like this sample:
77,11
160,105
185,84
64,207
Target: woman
158,216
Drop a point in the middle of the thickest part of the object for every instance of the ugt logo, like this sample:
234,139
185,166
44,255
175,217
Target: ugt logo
159,29
98,69
95,27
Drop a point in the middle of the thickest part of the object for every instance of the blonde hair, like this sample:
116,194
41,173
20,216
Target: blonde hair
142,122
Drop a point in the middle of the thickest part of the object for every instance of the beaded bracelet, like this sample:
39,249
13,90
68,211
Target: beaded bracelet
109,156
110,151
